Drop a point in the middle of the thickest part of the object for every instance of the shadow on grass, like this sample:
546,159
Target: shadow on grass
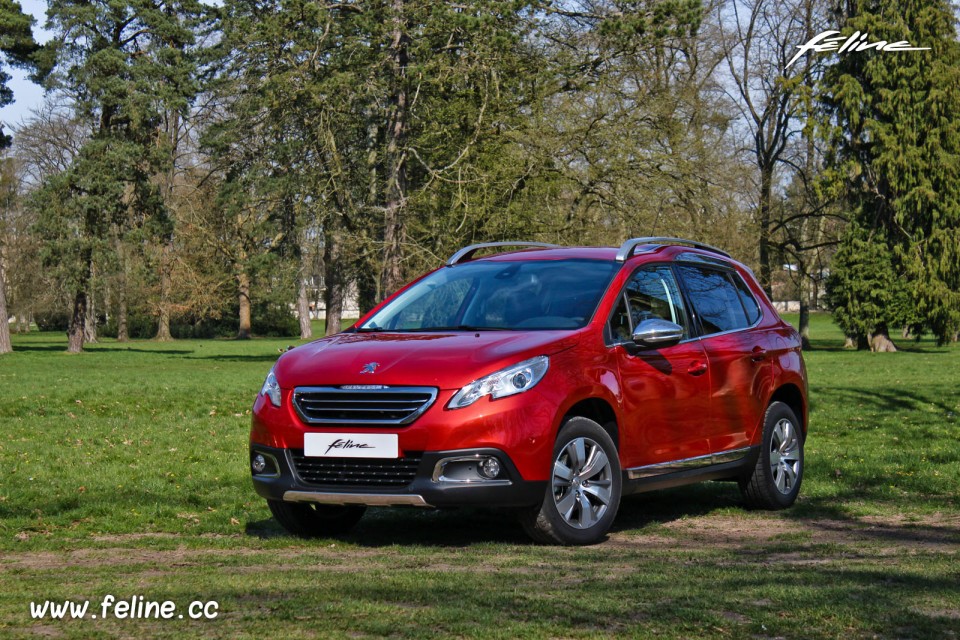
892,399
411,527
443,528
162,352
40,347
469,526
98,348
270,357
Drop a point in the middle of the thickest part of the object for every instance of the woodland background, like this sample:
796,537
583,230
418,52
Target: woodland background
198,170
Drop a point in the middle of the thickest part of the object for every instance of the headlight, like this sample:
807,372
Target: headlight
271,389
521,377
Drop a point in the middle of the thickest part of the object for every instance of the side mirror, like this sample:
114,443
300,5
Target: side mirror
655,332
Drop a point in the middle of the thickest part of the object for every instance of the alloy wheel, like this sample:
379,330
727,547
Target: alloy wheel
582,483
784,456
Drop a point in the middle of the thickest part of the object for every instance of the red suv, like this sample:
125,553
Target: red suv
551,379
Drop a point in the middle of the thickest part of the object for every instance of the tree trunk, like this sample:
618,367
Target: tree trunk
334,286
880,341
303,309
391,277
367,294
23,323
90,315
5,345
163,322
804,322
243,291
849,342
122,331
766,191
78,321
303,294
168,181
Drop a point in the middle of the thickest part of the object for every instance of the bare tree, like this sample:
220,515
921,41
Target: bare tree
761,38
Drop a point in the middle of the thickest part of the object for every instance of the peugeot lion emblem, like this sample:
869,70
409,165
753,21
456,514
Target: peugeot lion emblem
370,367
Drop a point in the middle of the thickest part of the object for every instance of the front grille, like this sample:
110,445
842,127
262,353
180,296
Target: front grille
380,405
356,472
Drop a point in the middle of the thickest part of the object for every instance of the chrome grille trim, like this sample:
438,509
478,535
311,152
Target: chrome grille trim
386,406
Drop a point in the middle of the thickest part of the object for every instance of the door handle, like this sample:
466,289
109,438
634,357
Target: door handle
697,368
758,354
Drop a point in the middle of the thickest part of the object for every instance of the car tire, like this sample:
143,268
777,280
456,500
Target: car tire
308,520
776,477
583,494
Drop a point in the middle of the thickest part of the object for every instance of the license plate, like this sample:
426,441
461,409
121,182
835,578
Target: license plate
351,445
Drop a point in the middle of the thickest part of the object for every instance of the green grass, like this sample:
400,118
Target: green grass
125,473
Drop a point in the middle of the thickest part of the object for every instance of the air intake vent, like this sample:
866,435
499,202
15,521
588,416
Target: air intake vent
356,472
384,406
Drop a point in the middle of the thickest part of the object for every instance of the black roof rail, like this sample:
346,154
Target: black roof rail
627,248
466,252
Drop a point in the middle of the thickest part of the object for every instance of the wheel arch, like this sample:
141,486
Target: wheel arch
790,394
598,410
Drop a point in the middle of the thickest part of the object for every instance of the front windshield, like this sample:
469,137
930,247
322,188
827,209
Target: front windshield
528,295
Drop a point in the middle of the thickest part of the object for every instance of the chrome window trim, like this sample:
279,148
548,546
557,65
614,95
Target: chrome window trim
675,466
432,391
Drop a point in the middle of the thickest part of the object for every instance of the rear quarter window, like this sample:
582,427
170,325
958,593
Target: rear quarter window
750,305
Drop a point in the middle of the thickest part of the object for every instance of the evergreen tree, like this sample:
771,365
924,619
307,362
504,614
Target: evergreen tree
18,47
124,64
895,137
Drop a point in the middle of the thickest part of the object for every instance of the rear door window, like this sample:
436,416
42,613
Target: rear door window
717,300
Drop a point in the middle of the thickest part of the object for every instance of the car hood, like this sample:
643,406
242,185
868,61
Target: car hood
444,360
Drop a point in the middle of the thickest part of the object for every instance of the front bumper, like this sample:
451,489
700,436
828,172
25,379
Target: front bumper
428,487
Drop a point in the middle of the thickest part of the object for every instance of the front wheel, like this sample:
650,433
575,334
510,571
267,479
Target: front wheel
308,520
583,495
775,480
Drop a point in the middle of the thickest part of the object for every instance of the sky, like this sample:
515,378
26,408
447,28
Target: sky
26,95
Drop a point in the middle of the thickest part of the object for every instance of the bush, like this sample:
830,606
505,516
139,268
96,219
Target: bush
52,320
269,320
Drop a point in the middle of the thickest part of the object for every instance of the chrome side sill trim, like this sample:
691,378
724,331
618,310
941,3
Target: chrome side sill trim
369,499
636,473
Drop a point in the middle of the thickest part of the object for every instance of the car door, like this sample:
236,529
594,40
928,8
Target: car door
665,392
740,372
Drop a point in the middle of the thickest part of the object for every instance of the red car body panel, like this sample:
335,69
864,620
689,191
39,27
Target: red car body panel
698,397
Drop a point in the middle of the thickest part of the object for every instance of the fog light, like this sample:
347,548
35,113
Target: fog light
490,468
259,463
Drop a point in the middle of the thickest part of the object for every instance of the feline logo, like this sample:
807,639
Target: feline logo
830,41
340,443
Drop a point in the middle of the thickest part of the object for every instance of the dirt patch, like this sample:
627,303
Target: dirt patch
896,534
778,538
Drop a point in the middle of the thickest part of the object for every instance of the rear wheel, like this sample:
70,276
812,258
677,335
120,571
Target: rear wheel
775,480
583,495
309,520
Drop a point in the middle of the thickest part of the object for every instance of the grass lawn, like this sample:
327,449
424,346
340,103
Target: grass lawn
125,473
